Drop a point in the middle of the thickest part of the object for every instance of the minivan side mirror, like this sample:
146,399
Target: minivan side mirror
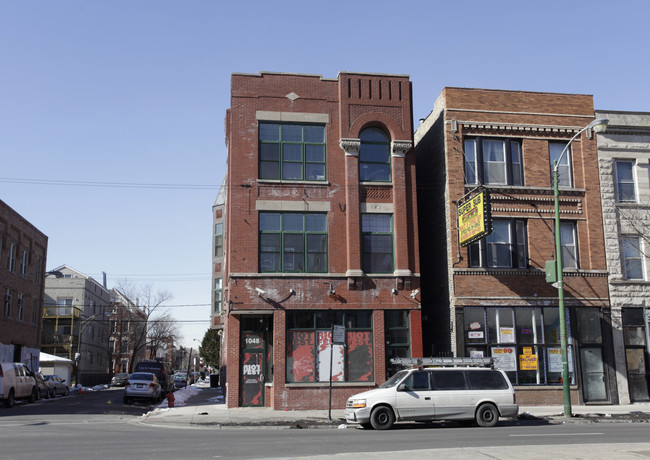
402,387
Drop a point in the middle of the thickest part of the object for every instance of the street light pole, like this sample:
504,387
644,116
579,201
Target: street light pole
598,125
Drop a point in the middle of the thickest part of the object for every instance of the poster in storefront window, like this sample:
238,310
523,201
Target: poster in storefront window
507,335
324,353
504,358
555,360
359,356
300,357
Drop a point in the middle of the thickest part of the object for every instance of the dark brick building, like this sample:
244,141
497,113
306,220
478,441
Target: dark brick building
492,297
316,229
23,254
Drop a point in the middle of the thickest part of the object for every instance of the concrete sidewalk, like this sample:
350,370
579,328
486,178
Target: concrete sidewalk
205,407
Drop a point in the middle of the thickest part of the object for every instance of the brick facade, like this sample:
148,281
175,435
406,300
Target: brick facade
527,122
21,287
345,106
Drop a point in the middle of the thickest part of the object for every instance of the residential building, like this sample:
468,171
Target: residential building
76,323
127,337
320,275
23,255
493,299
623,154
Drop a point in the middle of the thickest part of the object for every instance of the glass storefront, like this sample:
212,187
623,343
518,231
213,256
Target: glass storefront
525,342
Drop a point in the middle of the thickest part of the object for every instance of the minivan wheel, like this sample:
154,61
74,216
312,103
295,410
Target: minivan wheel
487,415
382,418
9,402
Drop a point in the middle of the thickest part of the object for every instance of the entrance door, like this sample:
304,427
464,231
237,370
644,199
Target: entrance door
593,374
252,370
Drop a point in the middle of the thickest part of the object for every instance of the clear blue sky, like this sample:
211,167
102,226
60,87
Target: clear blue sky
136,92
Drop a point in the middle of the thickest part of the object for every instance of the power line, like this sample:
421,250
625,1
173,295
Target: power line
76,183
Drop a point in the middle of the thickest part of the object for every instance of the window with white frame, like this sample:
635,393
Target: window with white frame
505,247
20,314
555,149
218,240
24,263
493,161
569,243
218,295
6,311
625,183
11,264
632,257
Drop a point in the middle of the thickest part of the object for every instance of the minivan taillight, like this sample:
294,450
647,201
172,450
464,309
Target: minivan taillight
127,384
152,385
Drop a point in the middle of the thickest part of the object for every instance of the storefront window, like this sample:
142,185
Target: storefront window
525,342
309,347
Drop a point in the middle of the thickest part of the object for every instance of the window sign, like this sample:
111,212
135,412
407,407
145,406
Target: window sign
504,358
475,335
528,362
474,218
507,334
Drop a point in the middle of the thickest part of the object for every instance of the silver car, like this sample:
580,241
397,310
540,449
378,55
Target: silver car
142,385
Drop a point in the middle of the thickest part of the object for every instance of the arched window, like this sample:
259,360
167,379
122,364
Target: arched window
374,156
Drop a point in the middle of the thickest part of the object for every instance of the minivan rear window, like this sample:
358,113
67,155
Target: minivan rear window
449,380
486,380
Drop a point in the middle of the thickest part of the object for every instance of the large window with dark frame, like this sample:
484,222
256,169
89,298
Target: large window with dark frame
374,155
293,242
569,243
309,338
525,342
492,161
505,247
377,243
291,151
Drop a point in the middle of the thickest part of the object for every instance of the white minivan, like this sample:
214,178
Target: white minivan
16,382
425,394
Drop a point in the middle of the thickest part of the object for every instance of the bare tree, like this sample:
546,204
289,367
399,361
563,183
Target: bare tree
163,330
150,302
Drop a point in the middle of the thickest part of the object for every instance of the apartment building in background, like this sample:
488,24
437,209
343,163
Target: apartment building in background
320,271
492,298
127,341
623,153
76,323
23,255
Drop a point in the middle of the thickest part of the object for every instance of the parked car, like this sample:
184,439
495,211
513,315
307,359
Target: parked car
161,371
467,394
142,385
17,382
180,379
119,380
45,390
59,385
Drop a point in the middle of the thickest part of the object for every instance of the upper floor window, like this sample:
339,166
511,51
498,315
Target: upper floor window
291,151
569,243
377,243
632,257
293,242
493,162
21,307
374,155
555,149
218,294
24,263
11,264
7,303
505,247
625,183
218,240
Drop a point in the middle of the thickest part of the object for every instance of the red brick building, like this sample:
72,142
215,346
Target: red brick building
23,255
318,230
493,298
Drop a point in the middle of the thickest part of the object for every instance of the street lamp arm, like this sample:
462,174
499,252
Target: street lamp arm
599,125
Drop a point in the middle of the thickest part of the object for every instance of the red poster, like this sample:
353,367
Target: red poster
301,362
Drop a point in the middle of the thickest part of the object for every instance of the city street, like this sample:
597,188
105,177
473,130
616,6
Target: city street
98,425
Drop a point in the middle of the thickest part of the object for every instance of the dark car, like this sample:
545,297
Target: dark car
160,370
58,384
180,379
119,380
45,390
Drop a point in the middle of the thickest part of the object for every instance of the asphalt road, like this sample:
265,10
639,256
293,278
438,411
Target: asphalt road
90,427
